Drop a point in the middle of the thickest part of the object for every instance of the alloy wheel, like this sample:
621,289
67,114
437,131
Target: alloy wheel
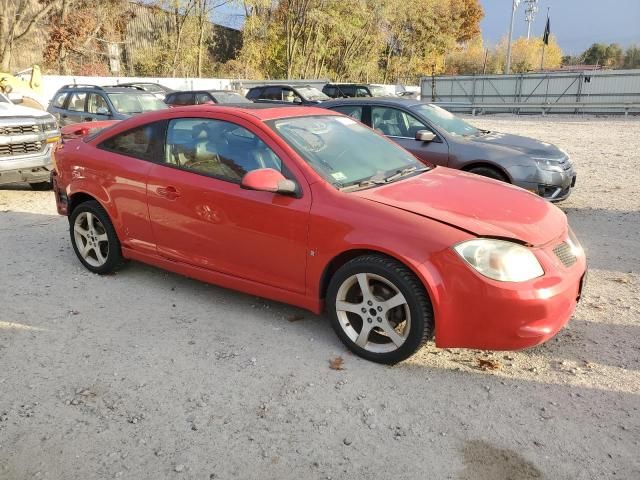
373,312
91,239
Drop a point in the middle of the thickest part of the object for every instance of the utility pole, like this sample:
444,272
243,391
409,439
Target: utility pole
514,7
530,14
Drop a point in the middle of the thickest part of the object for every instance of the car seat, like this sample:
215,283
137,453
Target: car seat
389,124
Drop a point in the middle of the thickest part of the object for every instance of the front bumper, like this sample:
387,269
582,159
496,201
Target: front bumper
554,186
26,168
472,311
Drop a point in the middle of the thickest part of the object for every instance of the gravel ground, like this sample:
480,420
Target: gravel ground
149,375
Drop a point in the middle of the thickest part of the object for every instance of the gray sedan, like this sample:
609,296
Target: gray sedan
436,136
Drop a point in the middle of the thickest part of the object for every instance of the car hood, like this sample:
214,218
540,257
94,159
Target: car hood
479,205
525,145
12,110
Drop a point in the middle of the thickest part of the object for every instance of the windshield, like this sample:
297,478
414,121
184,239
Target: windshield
229,97
312,93
343,151
136,102
445,120
378,91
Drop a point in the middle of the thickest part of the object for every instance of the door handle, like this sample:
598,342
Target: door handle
170,193
88,119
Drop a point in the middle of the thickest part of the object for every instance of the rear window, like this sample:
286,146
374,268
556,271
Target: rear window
145,142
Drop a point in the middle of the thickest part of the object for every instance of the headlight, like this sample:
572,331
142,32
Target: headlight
500,260
573,242
48,123
551,164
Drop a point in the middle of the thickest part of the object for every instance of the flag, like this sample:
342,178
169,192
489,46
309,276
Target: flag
547,32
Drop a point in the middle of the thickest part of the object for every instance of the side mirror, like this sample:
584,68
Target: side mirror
102,111
425,136
268,180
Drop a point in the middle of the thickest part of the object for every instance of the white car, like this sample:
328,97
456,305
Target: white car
27,137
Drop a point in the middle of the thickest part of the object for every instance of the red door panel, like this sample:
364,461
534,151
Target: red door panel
215,224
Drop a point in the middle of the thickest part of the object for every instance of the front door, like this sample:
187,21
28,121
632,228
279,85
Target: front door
401,127
201,216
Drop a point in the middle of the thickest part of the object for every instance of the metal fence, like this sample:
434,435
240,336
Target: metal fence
615,91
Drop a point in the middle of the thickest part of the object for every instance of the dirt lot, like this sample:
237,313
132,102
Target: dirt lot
149,375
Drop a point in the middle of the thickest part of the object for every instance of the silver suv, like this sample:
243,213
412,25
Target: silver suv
27,137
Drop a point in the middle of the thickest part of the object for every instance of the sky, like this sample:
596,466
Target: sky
575,23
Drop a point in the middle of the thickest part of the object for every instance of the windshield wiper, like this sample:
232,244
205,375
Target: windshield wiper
404,172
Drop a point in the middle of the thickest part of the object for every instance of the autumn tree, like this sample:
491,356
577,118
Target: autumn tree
19,18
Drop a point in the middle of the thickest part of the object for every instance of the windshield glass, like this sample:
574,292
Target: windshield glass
136,102
343,151
378,91
445,120
312,93
229,97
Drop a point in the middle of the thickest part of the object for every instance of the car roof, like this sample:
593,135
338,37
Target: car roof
386,101
345,84
204,91
106,89
289,85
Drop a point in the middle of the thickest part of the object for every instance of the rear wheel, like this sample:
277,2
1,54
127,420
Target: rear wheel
379,309
41,186
94,239
489,172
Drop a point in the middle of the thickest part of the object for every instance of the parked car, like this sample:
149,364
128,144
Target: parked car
347,90
27,136
199,97
85,103
156,89
298,94
436,136
393,249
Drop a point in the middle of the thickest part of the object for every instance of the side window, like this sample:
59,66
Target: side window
348,91
58,101
354,111
254,93
95,102
289,95
77,101
330,91
395,123
183,99
141,142
362,92
203,98
272,93
216,148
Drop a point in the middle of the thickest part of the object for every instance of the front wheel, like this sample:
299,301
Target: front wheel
489,172
94,239
379,309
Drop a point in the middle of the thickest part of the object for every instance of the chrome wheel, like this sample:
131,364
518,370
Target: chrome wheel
373,313
91,239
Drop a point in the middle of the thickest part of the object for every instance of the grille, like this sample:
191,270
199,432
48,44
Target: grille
20,148
563,252
19,129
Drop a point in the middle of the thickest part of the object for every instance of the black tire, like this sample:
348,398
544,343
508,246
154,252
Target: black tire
489,172
420,327
112,254
41,186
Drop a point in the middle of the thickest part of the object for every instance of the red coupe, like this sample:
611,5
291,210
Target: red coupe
312,208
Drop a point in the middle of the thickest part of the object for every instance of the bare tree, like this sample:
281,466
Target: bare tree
17,19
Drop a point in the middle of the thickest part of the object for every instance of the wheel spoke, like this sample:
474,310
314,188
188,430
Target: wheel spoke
85,249
395,301
81,230
90,221
394,336
102,237
363,281
345,306
101,258
363,336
